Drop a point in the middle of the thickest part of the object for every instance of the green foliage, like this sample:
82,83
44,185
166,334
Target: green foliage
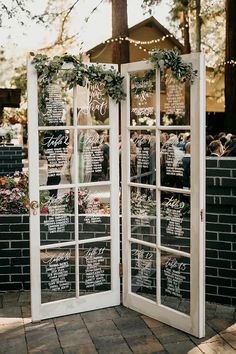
13,9
50,70
148,4
77,74
171,59
19,80
141,84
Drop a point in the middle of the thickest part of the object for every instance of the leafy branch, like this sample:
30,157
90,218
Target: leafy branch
171,59
50,70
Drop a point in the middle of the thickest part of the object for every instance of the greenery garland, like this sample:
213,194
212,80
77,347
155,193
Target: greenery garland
171,59
48,71
163,59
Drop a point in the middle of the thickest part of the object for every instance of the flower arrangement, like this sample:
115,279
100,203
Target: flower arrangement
14,197
146,121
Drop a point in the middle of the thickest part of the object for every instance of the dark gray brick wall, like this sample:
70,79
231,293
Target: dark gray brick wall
14,252
221,230
220,237
10,159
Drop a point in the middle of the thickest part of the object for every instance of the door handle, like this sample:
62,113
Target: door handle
34,206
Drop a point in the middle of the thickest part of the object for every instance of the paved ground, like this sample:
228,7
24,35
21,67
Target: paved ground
107,331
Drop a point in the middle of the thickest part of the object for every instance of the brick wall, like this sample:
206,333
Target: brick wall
10,159
221,230
14,252
220,238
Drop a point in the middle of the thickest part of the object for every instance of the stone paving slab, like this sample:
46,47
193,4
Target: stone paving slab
72,322
132,326
74,337
107,331
100,315
112,345
167,334
102,328
80,349
145,344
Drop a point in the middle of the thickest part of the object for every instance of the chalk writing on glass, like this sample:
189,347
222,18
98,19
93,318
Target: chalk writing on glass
174,278
93,159
97,100
143,157
143,263
175,103
57,270
173,160
55,148
92,220
143,111
172,211
54,105
94,274
56,223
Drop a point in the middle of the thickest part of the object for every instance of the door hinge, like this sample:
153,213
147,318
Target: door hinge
202,215
121,269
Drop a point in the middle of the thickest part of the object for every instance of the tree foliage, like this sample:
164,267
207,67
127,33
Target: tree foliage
12,9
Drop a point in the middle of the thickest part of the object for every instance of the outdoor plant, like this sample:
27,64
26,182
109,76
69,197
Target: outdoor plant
77,73
14,194
171,59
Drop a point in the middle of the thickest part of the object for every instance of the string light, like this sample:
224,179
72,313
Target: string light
137,43
134,41
230,62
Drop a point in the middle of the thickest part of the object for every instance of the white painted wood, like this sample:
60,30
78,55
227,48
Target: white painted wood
33,190
195,322
198,153
78,302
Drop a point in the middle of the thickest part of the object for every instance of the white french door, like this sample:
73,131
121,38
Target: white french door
163,186
74,194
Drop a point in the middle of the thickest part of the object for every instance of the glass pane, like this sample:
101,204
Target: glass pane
143,157
55,151
94,200
143,201
175,282
55,104
93,105
143,271
57,222
93,155
175,159
95,267
174,101
144,228
57,274
142,98
93,226
175,221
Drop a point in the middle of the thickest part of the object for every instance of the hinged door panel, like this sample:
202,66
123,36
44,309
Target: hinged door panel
74,193
163,191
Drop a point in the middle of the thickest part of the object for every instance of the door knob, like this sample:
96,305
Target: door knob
34,205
